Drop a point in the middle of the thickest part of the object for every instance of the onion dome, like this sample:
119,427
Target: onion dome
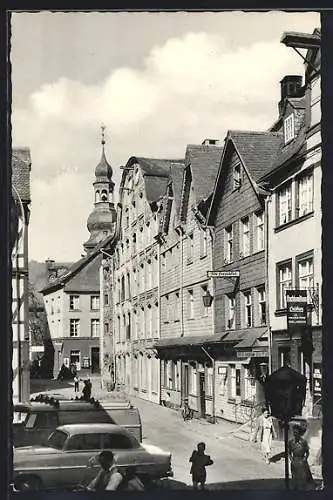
103,171
101,220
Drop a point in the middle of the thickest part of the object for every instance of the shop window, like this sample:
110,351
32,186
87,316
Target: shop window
249,385
284,356
232,391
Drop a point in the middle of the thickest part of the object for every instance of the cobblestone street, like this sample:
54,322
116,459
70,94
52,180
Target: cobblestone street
237,463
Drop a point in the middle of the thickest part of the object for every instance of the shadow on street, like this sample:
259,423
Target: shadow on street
41,385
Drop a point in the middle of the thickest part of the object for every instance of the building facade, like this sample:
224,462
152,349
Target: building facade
237,214
136,277
295,259
186,257
21,168
72,299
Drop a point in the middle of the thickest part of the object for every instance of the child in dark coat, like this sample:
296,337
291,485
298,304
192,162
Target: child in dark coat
199,462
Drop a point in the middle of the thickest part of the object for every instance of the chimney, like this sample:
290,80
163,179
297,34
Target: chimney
51,268
290,87
210,142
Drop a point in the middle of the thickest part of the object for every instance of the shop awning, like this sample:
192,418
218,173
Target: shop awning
193,340
251,338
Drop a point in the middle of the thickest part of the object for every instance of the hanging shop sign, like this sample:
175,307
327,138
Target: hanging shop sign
317,380
296,307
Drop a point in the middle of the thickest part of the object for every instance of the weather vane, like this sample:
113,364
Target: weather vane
103,127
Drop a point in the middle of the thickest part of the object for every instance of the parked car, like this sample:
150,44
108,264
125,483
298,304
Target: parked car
62,464
34,421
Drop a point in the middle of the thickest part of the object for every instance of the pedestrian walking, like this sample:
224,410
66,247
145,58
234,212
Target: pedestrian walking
76,383
199,462
266,432
299,453
86,391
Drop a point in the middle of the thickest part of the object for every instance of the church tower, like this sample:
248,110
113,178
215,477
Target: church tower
101,221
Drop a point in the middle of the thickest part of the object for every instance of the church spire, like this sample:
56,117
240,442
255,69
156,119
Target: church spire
101,221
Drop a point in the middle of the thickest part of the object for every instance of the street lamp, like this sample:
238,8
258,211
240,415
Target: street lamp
207,299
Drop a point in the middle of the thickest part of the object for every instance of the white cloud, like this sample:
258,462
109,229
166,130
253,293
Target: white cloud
188,89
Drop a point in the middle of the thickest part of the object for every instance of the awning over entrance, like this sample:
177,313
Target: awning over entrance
245,339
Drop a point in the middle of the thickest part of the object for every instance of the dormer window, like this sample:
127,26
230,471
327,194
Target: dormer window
289,128
237,176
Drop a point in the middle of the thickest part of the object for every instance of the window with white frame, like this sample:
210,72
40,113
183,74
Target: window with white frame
150,321
284,205
284,282
94,326
156,319
190,304
204,310
289,128
229,244
260,231
142,278
245,228
315,101
142,322
150,274
237,179
231,312
262,305
74,327
190,247
305,273
248,317
203,243
167,309
74,302
249,385
304,187
177,306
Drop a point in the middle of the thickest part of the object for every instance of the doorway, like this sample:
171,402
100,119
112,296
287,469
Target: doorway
95,360
202,394
185,383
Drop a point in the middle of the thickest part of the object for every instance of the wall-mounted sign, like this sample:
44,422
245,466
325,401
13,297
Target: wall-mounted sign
222,370
252,354
223,274
296,307
317,380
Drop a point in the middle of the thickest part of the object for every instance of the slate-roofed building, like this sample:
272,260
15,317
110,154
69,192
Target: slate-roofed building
237,214
185,253
136,276
21,198
72,297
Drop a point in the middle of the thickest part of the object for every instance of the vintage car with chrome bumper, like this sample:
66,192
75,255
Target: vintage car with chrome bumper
66,461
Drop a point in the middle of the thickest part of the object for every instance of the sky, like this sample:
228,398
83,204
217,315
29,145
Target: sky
158,81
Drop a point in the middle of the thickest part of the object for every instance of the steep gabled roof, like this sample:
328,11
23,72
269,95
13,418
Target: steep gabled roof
257,152
77,268
204,161
155,173
21,167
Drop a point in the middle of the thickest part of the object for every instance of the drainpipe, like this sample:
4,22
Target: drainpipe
268,200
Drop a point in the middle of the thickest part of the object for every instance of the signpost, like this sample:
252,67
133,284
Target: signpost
223,274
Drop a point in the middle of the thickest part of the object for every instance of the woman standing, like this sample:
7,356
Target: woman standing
299,453
265,430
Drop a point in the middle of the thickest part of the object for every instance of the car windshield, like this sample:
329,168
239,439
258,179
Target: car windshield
57,440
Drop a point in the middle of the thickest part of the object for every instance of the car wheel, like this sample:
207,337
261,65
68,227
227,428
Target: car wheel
27,483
